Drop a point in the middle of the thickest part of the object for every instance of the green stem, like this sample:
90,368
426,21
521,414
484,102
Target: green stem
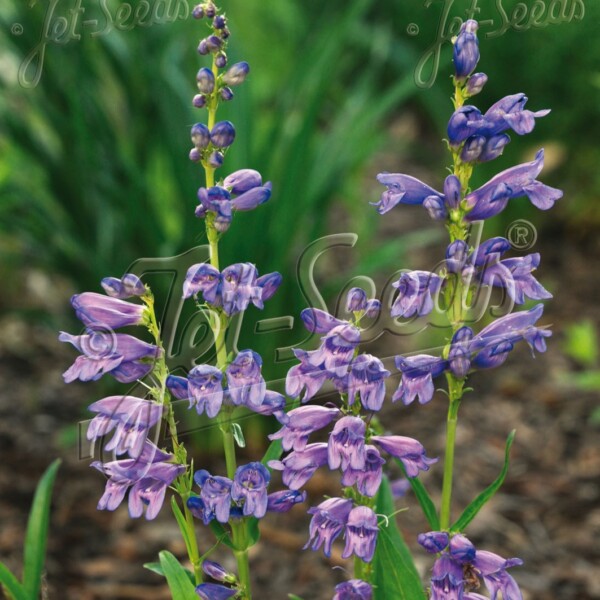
193,552
451,424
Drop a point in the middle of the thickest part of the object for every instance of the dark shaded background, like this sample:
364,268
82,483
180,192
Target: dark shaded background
94,175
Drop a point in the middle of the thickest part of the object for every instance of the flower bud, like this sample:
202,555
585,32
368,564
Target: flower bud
195,155
466,50
494,147
472,148
203,48
435,207
373,308
222,134
452,189
199,101
205,80
226,94
213,43
236,73
198,11
225,33
242,180
356,300
462,549
434,541
200,135
221,60
219,22
210,10
476,83
217,572
215,160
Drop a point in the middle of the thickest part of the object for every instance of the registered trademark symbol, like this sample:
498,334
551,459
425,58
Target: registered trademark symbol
521,234
17,29
412,29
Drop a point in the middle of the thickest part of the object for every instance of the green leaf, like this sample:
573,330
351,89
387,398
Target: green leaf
10,584
471,511
274,452
181,521
424,499
178,579
253,531
156,567
394,573
37,532
294,597
221,534
238,435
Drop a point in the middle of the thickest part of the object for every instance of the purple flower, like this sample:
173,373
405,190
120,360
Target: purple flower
452,191
246,384
417,377
361,533
346,447
284,500
215,571
466,50
462,549
205,389
415,290
492,569
215,492
97,310
178,386
222,134
268,284
205,80
367,479
300,423
120,355
402,189
252,198
242,181
457,254
214,591
318,321
356,300
129,285
354,589
239,288
217,200
202,278
250,487
273,404
373,308
447,579
367,379
299,467
336,350
304,377
148,476
434,541
408,450
130,417
329,519
459,356
236,74
492,198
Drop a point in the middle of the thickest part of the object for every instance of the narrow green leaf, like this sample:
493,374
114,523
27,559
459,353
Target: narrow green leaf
294,597
238,435
37,532
179,583
424,499
10,584
156,567
221,533
471,511
253,530
394,573
274,452
180,518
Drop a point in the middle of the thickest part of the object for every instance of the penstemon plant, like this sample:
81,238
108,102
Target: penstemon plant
358,445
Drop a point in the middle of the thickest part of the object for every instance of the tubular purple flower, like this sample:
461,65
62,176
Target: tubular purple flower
269,284
472,148
236,74
459,356
215,571
490,251
461,549
354,589
492,198
215,492
434,541
242,180
202,278
402,189
301,422
299,467
346,446
415,290
367,380
373,308
178,387
408,450
200,134
476,83
336,350
198,509
250,487
361,533
509,112
318,321
214,591
273,404
304,377
447,581
367,479
417,377
245,382
466,50
205,80
239,288
494,147
252,198
456,257
452,191
97,310
205,389
130,417
284,500
329,519
492,569
435,207
222,134
463,124
356,300
126,287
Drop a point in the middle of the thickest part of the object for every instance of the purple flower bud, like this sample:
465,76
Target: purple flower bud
361,533
466,50
126,287
434,541
402,189
284,500
236,74
463,124
456,256
354,589
435,207
213,43
356,300
219,22
215,571
97,310
329,520
220,60
178,387
494,147
200,135
198,11
215,492
452,191
367,379
462,549
205,390
473,148
250,486
373,308
243,180
299,467
252,198
269,284
195,155
222,134
205,80
215,159
476,83
226,94
415,290
408,450
368,479
459,356
210,10
199,101
246,384
346,447
203,48
214,591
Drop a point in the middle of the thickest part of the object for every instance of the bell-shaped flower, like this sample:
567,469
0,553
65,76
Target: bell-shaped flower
354,589
417,377
336,350
202,278
447,580
300,423
129,285
367,479
123,356
346,446
408,450
131,418
215,493
214,591
328,522
284,500
492,569
466,50
492,197
367,380
205,389
298,467
96,310
239,287
245,382
415,291
402,189
250,487
361,533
